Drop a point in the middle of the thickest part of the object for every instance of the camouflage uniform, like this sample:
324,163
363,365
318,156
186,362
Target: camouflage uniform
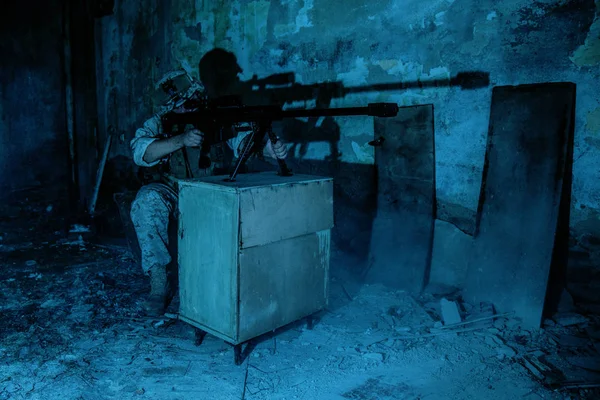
156,202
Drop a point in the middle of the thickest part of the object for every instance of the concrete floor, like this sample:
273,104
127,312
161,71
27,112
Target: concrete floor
71,327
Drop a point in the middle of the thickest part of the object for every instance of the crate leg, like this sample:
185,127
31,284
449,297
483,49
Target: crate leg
310,322
237,354
200,334
240,354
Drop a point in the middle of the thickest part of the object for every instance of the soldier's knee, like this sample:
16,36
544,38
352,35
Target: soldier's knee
147,202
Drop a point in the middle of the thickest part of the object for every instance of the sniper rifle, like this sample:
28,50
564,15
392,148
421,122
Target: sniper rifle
221,120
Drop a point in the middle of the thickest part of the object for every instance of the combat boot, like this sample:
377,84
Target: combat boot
157,300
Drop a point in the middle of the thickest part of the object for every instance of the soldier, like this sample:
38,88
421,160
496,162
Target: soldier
166,154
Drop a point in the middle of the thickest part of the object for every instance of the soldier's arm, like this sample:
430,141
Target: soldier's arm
148,148
161,148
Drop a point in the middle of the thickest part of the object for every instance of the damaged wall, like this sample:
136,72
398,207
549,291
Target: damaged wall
33,141
358,43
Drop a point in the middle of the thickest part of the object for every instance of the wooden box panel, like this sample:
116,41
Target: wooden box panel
282,282
294,205
291,209
208,252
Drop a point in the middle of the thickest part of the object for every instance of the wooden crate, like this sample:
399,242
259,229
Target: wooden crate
253,254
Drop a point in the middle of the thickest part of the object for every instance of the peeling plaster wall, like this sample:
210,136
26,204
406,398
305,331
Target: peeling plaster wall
33,140
357,43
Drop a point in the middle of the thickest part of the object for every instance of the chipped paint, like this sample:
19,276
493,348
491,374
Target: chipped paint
592,121
356,76
303,19
588,54
387,65
255,25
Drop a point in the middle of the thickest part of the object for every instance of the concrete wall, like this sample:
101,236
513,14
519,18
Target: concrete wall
33,140
358,43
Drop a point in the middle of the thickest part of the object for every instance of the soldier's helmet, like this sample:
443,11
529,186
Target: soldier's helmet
174,89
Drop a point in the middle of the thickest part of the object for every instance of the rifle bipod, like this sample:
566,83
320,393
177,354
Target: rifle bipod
260,131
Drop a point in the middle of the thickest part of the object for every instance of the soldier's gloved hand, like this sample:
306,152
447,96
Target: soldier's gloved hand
279,150
193,138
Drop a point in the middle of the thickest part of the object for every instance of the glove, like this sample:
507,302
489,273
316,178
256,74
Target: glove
278,150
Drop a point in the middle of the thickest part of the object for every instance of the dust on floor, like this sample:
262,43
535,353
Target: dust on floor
72,328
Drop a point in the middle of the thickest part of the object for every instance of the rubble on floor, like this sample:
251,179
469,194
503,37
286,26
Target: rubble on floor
72,327
563,356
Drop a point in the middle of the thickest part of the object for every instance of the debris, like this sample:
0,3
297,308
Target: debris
573,341
505,351
531,368
476,320
79,242
439,332
552,341
30,263
569,319
49,208
389,320
393,312
77,228
499,324
35,276
467,307
171,315
548,323
580,385
81,312
512,323
590,363
51,303
522,339
433,306
482,314
493,340
450,314
23,352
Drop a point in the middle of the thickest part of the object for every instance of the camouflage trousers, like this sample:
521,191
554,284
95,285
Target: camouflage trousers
151,212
